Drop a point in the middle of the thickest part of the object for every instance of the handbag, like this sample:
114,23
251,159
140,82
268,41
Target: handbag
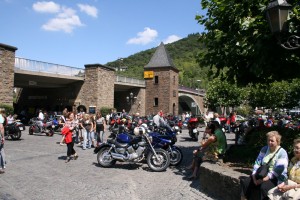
263,170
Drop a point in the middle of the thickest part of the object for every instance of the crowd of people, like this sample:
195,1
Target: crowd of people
281,181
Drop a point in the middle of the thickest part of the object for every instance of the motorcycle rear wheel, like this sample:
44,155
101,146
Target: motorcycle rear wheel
158,164
51,132
30,130
16,135
104,158
177,157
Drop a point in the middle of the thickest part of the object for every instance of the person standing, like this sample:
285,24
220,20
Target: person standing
62,121
68,132
100,127
2,154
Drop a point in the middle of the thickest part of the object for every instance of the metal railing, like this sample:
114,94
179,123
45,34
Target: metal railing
39,66
123,79
191,90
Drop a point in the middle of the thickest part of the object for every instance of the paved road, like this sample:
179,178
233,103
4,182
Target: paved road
36,169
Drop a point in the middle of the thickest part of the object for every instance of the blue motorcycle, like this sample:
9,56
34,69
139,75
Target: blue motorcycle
167,142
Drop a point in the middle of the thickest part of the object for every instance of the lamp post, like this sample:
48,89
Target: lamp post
198,109
131,99
277,15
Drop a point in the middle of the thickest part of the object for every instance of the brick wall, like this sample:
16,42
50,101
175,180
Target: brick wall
7,64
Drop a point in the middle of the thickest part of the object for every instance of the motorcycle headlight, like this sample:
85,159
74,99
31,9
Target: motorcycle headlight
195,130
176,128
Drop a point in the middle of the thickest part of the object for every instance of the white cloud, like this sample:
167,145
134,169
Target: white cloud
65,21
89,10
145,37
46,7
171,39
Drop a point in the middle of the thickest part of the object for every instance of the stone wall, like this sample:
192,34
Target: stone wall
7,66
220,182
98,87
166,91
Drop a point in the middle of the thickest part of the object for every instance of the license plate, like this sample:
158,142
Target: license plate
21,128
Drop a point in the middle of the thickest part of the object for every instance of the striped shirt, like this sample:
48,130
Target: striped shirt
279,163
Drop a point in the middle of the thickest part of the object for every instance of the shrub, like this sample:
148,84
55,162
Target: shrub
105,110
256,139
8,109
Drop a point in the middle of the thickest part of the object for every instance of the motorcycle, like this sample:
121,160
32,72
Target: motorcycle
133,149
56,126
192,127
39,127
14,130
167,142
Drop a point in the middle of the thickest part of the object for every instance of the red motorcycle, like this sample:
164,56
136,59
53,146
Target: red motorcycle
193,124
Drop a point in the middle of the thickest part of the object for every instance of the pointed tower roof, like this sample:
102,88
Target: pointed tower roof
160,59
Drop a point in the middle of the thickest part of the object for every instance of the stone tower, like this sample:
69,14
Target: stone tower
161,77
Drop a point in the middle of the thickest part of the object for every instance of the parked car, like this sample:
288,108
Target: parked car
240,118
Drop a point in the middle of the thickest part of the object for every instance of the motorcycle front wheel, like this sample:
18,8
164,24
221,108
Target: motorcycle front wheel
176,156
104,158
159,163
16,135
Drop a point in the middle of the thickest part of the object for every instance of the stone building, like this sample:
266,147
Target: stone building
7,65
98,88
161,84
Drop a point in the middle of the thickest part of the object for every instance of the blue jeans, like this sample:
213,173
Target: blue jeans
2,156
85,138
90,138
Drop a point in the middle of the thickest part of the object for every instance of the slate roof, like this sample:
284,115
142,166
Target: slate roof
160,59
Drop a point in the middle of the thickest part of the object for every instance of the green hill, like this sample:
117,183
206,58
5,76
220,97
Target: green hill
183,53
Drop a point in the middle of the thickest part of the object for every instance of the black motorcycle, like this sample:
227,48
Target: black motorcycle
132,149
14,130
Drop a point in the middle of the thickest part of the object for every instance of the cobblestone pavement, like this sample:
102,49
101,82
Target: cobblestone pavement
36,169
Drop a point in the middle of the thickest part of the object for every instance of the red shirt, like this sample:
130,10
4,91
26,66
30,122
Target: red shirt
68,134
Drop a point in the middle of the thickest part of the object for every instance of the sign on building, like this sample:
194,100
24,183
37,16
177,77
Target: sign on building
148,74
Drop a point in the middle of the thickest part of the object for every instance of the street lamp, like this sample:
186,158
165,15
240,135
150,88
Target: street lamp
131,99
277,16
198,109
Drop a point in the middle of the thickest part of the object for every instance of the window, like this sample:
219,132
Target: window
174,80
156,80
174,93
155,101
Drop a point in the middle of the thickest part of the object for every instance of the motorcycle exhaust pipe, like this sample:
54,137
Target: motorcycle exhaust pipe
118,156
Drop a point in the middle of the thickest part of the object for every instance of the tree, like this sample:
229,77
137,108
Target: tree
240,45
223,94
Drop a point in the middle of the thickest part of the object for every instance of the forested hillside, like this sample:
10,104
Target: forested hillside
183,53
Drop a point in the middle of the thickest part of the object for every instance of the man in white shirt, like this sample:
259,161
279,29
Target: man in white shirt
41,115
156,119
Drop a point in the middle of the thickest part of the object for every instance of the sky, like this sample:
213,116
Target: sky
79,32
